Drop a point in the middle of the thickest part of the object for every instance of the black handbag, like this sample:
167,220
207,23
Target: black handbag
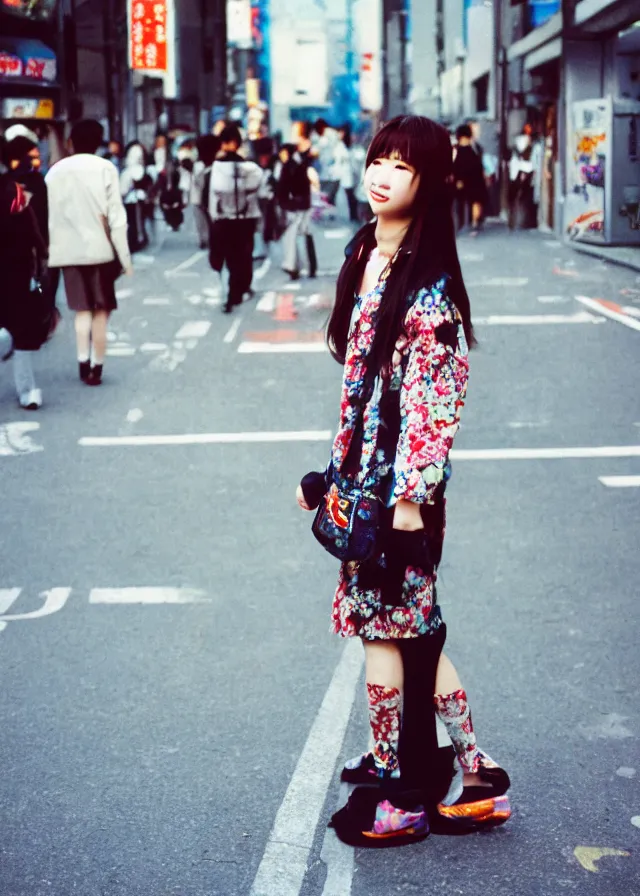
347,523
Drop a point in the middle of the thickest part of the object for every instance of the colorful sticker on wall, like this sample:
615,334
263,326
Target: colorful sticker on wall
589,149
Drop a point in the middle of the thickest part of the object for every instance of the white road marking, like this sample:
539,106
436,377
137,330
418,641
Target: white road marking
232,332
195,299
124,293
620,481
267,302
552,244
275,348
145,595
145,259
14,439
153,347
553,300
635,821
187,263
499,281
284,863
609,312
340,233
211,292
213,302
120,351
152,300
471,256
194,329
7,597
527,424
629,309
338,857
528,320
262,271
135,415
206,438
54,601
545,453
626,772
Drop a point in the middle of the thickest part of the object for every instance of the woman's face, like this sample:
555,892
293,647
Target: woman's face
391,186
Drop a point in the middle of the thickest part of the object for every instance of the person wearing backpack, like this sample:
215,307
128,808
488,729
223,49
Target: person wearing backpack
234,211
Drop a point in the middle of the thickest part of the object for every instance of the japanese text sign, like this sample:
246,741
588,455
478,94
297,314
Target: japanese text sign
148,35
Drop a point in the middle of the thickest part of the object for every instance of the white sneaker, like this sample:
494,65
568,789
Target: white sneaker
31,400
6,344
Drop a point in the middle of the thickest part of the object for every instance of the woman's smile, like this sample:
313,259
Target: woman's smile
378,197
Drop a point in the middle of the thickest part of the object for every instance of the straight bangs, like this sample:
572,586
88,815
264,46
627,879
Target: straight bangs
414,140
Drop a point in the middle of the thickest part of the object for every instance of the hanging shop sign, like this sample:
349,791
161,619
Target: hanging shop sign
239,31
27,59
148,20
42,108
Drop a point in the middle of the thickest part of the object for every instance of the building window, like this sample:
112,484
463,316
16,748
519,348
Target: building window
38,10
481,93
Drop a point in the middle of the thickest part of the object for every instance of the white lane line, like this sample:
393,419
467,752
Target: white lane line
187,263
152,300
124,293
620,481
193,329
262,271
135,415
145,595
14,439
120,351
338,234
232,332
267,302
553,300
609,312
145,259
545,453
275,348
514,320
153,347
499,281
284,863
338,857
7,598
206,438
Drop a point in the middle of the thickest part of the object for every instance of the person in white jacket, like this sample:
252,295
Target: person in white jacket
88,240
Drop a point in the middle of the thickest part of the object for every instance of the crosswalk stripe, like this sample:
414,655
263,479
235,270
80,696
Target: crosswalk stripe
620,481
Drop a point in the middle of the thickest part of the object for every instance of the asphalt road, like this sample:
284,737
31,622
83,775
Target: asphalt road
173,709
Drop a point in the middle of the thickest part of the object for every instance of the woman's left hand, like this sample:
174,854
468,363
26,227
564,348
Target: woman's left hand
300,499
407,516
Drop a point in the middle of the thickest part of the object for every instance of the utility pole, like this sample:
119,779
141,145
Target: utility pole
568,10
440,52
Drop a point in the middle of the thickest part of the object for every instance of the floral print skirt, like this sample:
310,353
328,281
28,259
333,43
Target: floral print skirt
359,612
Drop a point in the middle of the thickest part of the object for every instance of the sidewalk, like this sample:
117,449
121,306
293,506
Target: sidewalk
626,256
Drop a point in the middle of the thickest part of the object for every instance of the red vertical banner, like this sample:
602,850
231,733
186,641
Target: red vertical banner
148,35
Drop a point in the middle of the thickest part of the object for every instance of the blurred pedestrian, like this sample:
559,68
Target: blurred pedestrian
294,197
208,146
234,211
136,186
25,311
114,153
401,325
521,188
172,200
468,175
325,146
345,170
88,231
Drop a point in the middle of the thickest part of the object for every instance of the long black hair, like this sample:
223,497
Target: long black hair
428,250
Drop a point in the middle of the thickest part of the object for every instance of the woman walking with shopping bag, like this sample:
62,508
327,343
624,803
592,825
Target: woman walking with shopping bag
401,326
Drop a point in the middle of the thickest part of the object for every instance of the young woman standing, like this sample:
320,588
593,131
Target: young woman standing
401,325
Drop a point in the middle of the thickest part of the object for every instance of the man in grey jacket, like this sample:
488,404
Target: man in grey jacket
88,240
234,211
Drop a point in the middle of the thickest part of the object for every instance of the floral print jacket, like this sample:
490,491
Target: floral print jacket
430,370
